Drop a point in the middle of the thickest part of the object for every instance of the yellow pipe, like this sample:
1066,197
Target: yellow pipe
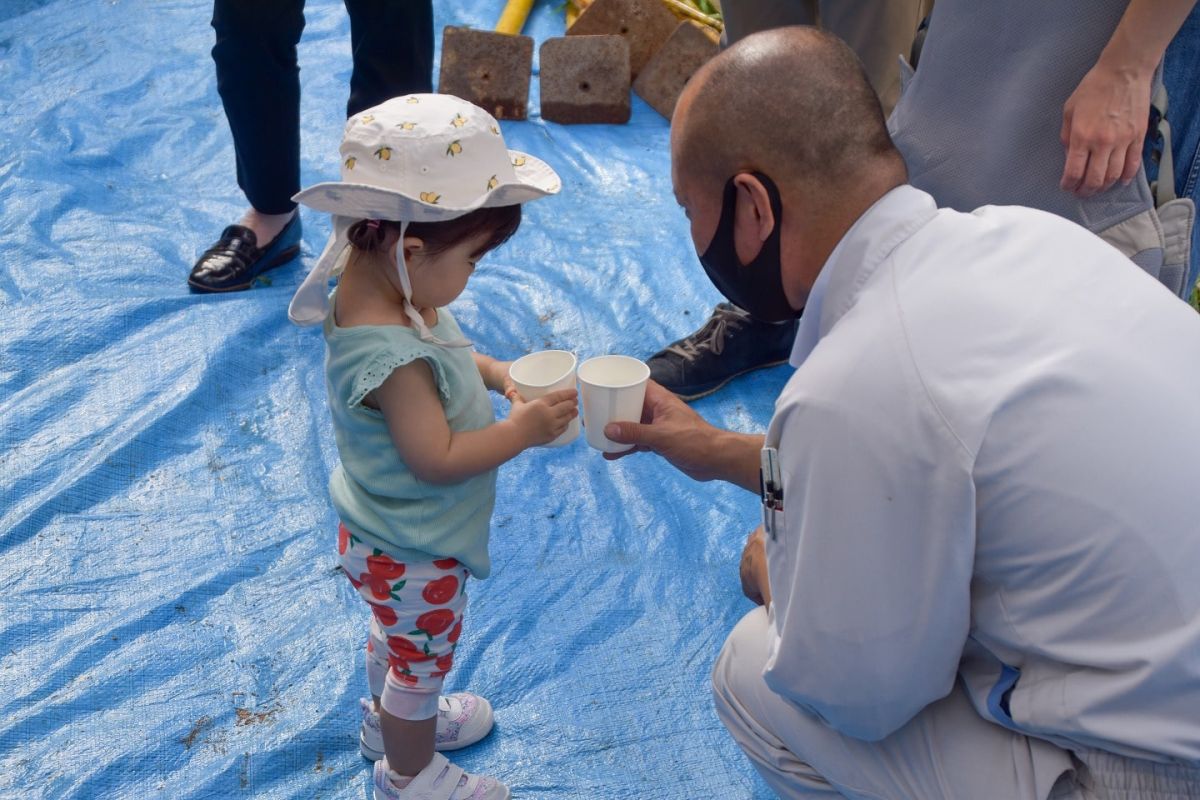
512,19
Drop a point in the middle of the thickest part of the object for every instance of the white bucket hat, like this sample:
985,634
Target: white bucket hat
417,158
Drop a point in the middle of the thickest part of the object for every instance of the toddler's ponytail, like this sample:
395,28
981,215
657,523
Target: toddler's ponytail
369,235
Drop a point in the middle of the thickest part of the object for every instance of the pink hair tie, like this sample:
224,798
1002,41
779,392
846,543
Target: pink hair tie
373,224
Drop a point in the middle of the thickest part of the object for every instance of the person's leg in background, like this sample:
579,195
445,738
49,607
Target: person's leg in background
946,751
744,17
879,32
731,342
1181,75
392,43
258,79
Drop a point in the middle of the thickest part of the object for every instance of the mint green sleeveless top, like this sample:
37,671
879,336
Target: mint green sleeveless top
375,494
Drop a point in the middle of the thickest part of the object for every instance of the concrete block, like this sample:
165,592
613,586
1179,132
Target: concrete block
645,24
585,79
663,79
491,70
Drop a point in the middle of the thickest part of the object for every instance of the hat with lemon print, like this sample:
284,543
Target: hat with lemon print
417,158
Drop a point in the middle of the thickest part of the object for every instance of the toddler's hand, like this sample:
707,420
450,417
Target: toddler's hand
543,420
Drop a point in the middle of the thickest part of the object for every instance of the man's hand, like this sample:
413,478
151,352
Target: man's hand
1104,120
1104,124
668,426
753,569
674,431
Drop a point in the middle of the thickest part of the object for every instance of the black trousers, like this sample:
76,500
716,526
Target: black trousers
258,79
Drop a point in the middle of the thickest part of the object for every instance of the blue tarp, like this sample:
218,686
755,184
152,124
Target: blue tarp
173,623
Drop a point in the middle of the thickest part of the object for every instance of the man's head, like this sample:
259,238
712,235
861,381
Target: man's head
795,105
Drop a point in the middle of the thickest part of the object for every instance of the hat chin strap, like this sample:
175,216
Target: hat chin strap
415,316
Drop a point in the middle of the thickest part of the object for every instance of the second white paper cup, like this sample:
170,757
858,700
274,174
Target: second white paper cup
540,373
612,390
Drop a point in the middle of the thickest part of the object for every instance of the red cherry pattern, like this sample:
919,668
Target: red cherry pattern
380,588
385,614
406,649
405,678
384,566
383,593
431,623
440,591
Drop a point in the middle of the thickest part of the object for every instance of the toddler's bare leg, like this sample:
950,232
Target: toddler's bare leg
407,744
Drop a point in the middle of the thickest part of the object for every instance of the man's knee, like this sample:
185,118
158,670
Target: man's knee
738,668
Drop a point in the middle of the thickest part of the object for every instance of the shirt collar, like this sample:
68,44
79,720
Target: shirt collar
892,219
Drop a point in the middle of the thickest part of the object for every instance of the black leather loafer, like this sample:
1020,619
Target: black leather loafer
236,260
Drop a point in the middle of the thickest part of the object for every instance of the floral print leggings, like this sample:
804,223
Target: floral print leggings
417,609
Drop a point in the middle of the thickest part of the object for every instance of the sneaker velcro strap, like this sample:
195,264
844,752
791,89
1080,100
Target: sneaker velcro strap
438,781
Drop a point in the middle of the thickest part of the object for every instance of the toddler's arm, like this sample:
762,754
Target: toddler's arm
410,405
493,372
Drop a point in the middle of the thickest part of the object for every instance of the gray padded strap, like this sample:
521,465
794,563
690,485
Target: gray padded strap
1164,187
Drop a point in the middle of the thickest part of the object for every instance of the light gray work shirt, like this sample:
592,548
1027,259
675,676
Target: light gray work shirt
990,459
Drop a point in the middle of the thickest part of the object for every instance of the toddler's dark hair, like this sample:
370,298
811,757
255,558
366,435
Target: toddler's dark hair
499,223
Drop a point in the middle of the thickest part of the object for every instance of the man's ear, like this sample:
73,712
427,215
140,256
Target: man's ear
754,219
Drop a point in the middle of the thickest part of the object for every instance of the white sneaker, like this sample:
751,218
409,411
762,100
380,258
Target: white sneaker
463,719
440,780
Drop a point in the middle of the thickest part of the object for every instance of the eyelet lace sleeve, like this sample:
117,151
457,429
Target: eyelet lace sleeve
377,369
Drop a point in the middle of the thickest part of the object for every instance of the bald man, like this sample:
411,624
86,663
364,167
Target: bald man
977,562
731,342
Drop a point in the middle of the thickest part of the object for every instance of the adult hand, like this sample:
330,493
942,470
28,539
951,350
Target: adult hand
1104,125
753,568
702,452
670,428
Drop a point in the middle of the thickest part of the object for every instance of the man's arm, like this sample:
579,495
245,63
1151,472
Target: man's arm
677,433
1104,120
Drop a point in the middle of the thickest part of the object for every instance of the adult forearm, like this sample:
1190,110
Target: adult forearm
1142,36
736,458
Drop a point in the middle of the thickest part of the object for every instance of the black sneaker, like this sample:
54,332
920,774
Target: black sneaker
729,344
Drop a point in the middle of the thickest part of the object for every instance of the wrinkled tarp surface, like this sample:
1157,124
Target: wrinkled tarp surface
172,621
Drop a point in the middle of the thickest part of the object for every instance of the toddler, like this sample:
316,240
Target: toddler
428,187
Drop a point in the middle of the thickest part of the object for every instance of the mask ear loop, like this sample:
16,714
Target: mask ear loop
415,316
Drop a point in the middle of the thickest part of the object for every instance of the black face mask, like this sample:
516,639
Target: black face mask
757,286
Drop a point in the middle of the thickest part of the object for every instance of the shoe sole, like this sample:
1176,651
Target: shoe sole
380,795
687,398
278,261
370,754
367,752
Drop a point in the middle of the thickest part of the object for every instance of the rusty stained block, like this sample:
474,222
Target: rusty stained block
645,24
663,79
585,79
491,70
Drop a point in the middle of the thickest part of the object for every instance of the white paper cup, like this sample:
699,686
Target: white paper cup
538,374
613,389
